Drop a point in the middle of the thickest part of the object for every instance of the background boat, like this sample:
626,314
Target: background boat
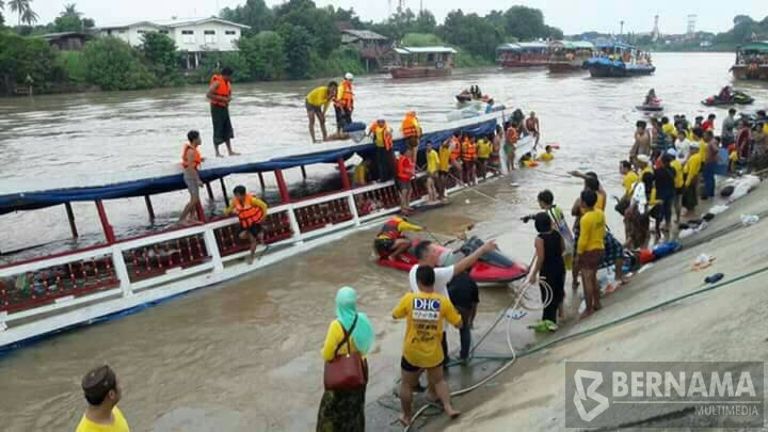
422,62
751,62
522,55
569,56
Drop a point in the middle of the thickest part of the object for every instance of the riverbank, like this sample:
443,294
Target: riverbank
530,395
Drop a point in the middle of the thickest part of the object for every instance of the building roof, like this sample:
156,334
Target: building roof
425,50
171,23
364,34
58,35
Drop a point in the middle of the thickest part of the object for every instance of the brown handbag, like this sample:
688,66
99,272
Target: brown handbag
345,372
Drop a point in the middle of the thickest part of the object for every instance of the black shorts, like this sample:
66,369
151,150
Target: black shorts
255,229
404,365
383,246
317,110
403,185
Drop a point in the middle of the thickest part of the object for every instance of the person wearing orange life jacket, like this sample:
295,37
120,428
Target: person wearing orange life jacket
455,158
469,158
391,241
190,162
405,171
344,103
382,138
220,95
411,129
251,211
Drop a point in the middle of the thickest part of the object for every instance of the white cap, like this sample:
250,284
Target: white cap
349,76
643,158
672,152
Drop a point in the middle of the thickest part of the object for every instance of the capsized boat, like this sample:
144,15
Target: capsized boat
493,267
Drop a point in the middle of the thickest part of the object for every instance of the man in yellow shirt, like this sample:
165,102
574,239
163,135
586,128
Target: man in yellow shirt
361,173
425,312
483,155
668,129
677,165
433,165
629,178
590,249
391,240
444,168
692,169
251,211
317,103
102,392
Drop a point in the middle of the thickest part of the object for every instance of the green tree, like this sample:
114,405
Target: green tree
112,64
71,20
473,33
160,52
253,13
425,22
19,7
524,23
21,57
29,17
319,23
214,62
298,50
265,53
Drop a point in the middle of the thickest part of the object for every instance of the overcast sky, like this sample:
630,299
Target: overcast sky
572,16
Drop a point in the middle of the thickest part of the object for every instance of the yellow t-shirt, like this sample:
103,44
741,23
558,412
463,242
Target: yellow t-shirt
483,149
425,313
118,425
433,162
333,338
360,175
403,226
679,179
703,149
445,158
591,231
318,97
765,128
629,181
734,156
546,157
600,205
692,168
669,130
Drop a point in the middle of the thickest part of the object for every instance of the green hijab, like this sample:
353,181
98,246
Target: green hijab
346,310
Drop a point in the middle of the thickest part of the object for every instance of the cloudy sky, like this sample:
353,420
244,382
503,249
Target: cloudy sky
573,16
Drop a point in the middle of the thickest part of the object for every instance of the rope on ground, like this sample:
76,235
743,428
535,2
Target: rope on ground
600,328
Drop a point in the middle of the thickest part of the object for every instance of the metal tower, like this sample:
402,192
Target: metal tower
656,34
691,25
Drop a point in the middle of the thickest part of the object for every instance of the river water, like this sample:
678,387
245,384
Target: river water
244,356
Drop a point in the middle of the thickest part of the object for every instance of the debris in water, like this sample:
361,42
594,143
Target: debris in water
714,278
466,201
749,219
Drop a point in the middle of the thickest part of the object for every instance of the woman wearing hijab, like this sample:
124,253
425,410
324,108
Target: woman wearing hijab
344,410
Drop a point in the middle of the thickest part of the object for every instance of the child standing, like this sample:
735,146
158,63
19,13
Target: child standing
549,268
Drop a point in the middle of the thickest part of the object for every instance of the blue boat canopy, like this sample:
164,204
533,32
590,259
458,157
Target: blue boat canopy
171,179
614,45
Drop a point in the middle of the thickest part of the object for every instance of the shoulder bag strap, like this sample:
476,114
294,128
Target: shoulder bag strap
347,336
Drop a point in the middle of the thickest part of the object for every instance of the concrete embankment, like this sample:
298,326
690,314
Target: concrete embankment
723,324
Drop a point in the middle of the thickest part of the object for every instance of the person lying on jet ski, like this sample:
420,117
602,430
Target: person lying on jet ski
650,98
391,240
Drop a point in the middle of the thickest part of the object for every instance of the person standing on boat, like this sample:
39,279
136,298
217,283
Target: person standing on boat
433,165
317,103
344,103
251,211
469,158
220,95
642,144
533,126
382,137
190,161
102,391
405,172
411,129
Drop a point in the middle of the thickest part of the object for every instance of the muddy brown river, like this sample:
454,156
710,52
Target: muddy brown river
245,355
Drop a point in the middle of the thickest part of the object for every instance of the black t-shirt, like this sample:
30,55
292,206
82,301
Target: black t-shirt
665,181
463,291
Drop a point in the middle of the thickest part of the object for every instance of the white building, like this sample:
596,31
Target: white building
193,36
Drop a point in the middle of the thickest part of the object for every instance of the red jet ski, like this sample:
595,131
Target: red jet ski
493,267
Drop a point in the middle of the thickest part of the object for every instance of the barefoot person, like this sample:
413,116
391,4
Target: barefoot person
590,248
317,103
102,392
220,95
190,161
433,164
425,312
405,173
391,240
533,126
251,211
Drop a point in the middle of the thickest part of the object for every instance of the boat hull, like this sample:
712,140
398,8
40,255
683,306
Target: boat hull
619,72
419,72
750,72
523,64
564,67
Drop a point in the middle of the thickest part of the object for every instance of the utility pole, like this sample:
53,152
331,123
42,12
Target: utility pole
621,28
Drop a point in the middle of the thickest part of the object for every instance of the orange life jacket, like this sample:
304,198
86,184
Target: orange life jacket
224,89
248,213
198,156
455,149
382,136
404,168
511,135
410,127
347,96
389,230
469,152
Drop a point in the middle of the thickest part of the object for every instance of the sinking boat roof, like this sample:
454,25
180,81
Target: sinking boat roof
101,186
425,50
